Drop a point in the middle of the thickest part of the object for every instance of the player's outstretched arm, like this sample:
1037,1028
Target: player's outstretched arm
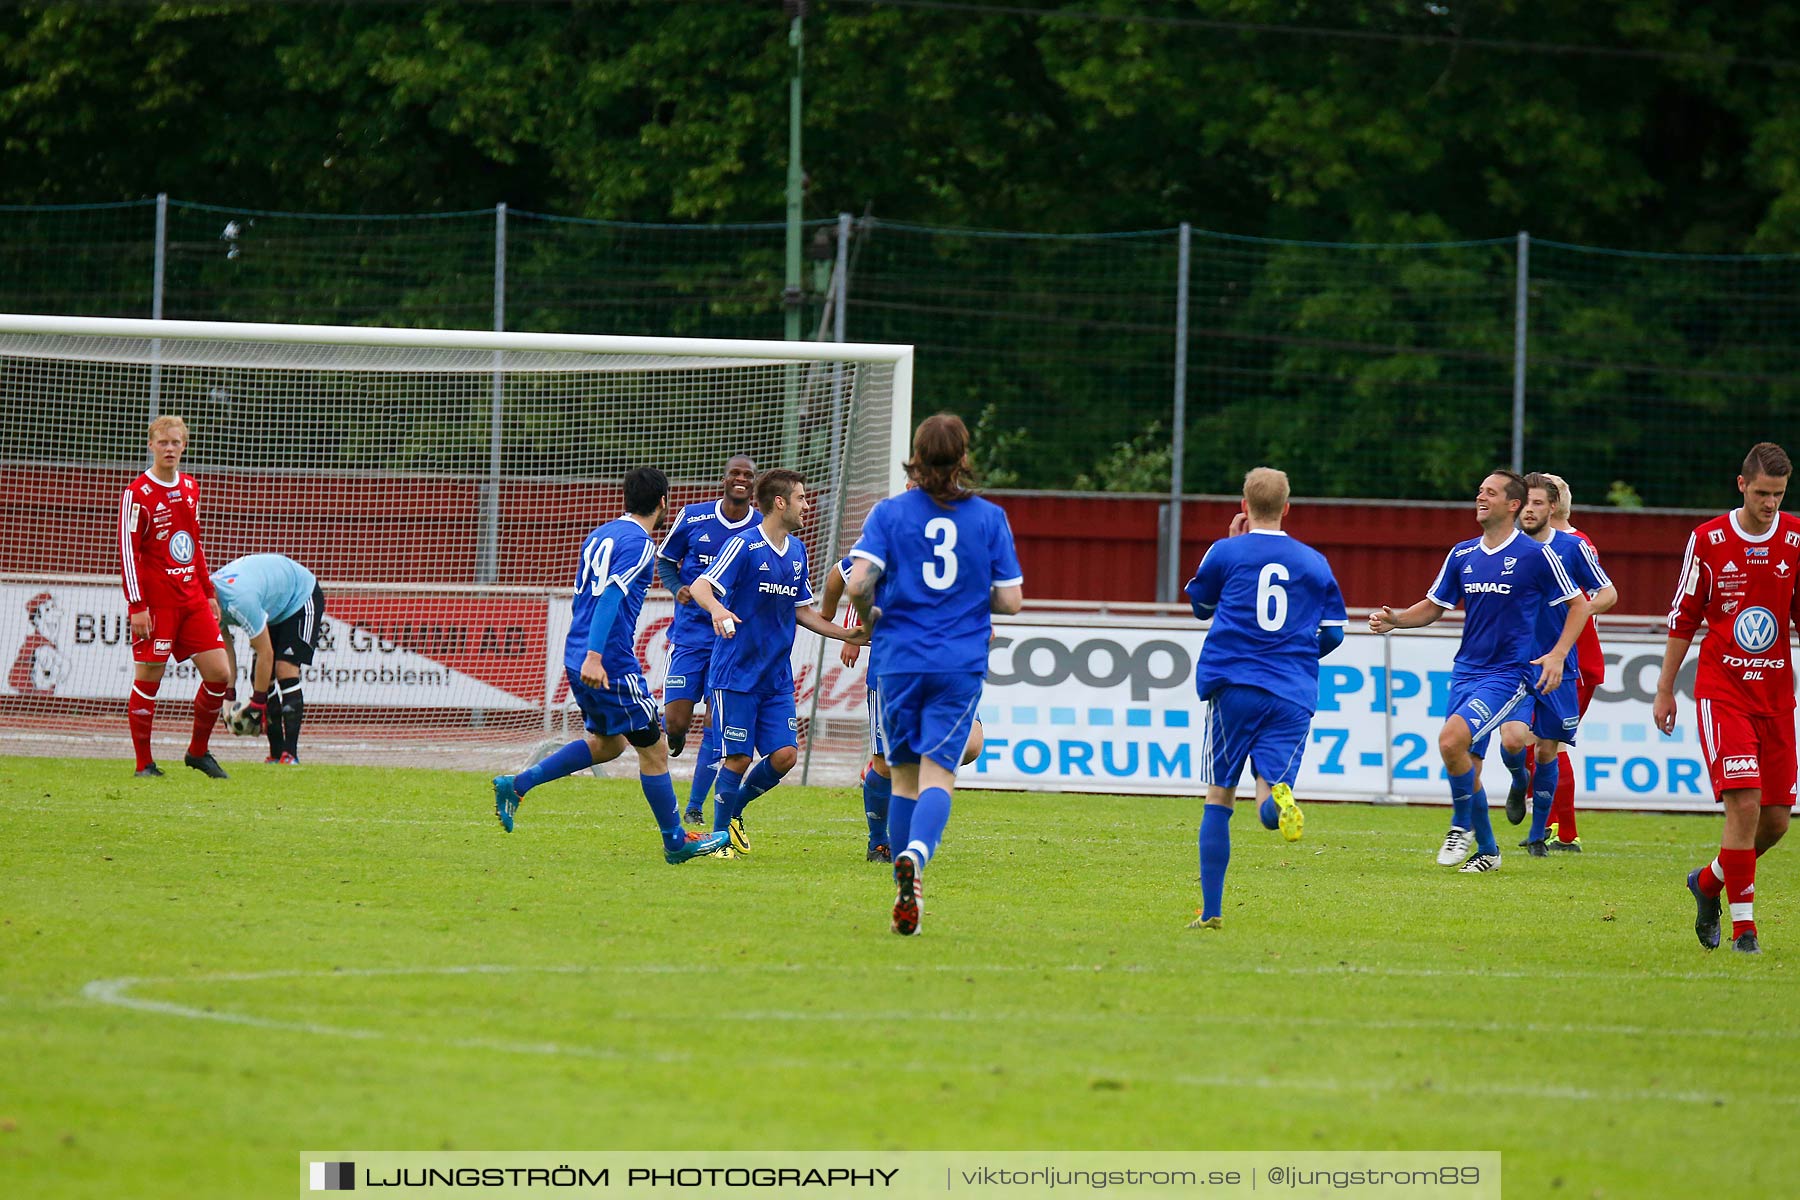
832,594
1662,711
811,618
1385,619
1604,599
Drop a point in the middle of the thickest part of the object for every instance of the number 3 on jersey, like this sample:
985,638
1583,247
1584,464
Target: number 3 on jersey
940,569
1271,597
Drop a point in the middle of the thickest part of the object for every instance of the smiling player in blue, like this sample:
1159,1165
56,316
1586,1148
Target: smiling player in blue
695,537
605,677
763,574
1502,579
932,564
1276,611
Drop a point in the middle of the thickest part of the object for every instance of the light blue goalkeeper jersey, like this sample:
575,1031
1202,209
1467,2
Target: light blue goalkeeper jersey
259,588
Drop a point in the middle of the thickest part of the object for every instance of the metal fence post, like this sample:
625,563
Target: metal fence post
159,265
1178,445
487,567
1521,326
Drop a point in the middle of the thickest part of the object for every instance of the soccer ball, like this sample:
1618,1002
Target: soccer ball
243,720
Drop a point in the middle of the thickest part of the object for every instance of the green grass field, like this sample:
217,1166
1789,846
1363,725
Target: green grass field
198,980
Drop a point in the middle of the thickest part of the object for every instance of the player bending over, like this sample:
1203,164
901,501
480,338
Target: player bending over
279,605
932,564
1276,611
170,597
1501,578
605,677
1738,576
763,573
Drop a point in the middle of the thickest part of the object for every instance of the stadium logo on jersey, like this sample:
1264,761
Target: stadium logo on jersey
181,547
1716,537
1741,766
1507,564
1754,630
1458,553
1498,589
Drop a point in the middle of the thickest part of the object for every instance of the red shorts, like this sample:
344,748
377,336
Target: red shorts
178,633
1745,751
1584,694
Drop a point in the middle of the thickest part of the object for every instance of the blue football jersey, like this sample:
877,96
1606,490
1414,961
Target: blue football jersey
763,586
1270,594
618,554
259,588
1583,565
1501,591
939,562
695,537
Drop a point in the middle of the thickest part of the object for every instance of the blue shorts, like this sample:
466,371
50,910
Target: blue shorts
1247,723
1487,702
751,724
1555,717
928,716
622,706
686,677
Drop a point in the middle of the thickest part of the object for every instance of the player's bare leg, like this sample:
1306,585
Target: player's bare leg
678,716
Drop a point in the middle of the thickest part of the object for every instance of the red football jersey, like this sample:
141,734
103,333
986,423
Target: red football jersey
1588,654
1743,588
159,544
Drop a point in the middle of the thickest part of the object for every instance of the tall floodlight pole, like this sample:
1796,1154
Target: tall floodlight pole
796,12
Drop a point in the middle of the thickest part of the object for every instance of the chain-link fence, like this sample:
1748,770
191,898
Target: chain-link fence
1400,371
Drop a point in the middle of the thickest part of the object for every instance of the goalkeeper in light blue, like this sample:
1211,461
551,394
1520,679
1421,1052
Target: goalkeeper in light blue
605,677
1276,611
932,564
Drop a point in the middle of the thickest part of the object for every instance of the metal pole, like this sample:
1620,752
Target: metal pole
158,268
796,178
1521,326
487,568
843,277
1178,447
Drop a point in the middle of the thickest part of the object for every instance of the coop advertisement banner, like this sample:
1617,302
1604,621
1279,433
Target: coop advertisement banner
1105,708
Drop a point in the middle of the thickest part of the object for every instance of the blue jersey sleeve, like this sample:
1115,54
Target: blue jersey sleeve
1584,567
1447,590
1331,606
1005,565
1204,589
1559,588
675,545
874,543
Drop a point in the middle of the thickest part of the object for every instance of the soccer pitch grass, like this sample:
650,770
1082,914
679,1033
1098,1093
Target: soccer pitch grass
200,979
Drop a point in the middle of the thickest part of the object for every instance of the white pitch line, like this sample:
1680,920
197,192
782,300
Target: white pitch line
115,992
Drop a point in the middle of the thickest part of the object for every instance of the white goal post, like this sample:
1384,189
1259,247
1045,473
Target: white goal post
438,482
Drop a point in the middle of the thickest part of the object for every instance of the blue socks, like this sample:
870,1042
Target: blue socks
659,790
565,762
1462,788
1543,794
931,814
725,800
757,780
1515,762
900,815
1268,812
706,767
1482,825
1215,856
878,790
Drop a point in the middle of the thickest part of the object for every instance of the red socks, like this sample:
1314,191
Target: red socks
1739,867
140,709
1562,811
207,703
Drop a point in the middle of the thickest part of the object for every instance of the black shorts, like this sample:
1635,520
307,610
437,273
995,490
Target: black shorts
295,636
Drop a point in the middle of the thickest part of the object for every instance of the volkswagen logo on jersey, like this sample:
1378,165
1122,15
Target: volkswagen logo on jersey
181,547
1754,630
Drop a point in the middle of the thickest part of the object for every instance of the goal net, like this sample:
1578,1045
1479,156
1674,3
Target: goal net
438,482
